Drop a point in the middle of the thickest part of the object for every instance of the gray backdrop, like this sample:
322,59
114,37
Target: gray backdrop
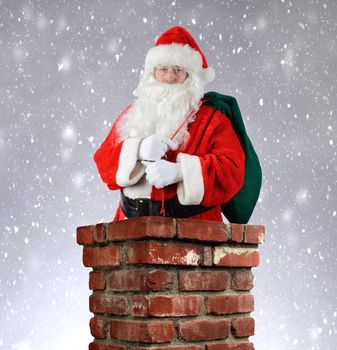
69,67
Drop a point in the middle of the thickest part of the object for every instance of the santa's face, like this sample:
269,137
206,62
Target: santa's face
170,74
162,106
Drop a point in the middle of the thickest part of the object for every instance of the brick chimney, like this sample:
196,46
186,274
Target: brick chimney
163,283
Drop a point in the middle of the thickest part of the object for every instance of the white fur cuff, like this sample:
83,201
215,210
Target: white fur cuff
191,189
130,170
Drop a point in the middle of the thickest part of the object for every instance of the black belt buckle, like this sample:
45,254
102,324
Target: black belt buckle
143,206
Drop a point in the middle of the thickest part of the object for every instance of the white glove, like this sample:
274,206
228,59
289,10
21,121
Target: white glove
154,147
162,173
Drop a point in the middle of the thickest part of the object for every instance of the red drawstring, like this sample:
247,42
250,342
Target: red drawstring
186,119
162,210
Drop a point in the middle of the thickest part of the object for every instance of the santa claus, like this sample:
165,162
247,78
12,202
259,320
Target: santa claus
170,152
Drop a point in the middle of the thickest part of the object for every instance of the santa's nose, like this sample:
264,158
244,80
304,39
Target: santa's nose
170,76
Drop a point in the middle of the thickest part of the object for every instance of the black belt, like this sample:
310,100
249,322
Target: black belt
148,207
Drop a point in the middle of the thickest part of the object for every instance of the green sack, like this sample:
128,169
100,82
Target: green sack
240,208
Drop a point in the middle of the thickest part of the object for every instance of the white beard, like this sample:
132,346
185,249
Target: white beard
161,109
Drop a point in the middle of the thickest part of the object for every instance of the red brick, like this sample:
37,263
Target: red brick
230,346
157,280
171,305
98,346
141,227
99,233
97,280
231,256
163,253
141,280
84,235
242,280
140,306
183,347
198,330
179,305
254,234
236,232
230,304
109,304
207,256
142,331
98,327
242,326
202,230
203,280
100,256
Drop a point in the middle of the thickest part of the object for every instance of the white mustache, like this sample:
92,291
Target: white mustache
163,93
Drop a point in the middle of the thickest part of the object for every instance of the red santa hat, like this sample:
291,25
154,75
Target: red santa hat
177,47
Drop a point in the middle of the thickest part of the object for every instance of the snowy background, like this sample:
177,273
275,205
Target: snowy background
69,67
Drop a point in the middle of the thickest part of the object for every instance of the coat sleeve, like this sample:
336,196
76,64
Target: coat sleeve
216,174
117,161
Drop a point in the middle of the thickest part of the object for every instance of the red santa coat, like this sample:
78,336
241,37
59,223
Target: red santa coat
212,165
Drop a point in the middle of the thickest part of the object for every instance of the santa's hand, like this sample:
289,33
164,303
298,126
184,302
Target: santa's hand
162,173
154,147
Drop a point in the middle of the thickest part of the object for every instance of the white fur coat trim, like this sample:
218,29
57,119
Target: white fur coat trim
130,170
191,190
142,189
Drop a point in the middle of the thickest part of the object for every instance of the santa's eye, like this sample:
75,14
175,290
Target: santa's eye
162,68
176,70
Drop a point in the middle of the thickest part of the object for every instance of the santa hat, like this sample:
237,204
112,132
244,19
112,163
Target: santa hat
177,47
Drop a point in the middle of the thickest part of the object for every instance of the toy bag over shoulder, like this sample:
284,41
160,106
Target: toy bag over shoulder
240,208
